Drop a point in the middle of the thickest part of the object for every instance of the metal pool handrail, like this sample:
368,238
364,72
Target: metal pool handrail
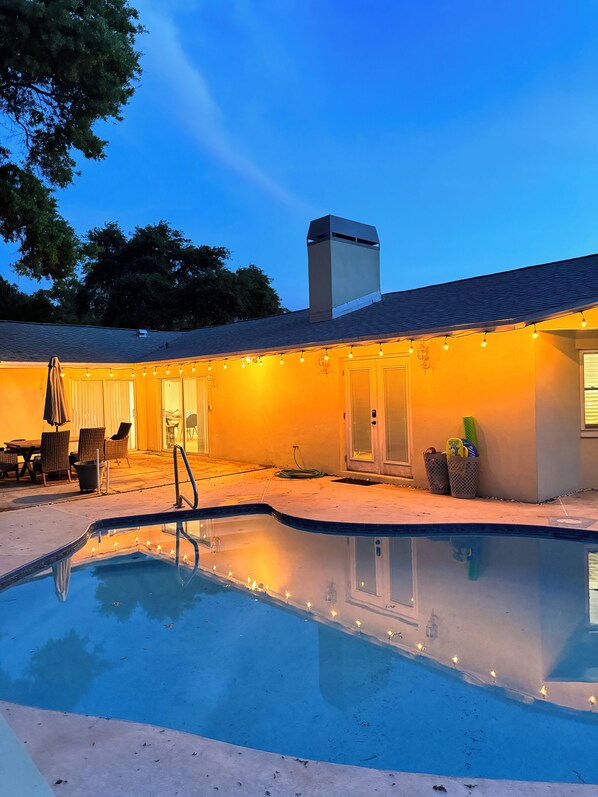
180,530
179,498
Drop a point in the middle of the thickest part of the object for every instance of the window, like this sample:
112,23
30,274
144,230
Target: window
590,389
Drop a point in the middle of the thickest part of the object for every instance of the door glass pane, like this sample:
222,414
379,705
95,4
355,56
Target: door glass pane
87,405
118,406
172,412
395,418
202,416
401,571
593,586
365,565
361,428
190,402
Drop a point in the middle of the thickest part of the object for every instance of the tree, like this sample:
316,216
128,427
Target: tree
64,66
157,278
15,305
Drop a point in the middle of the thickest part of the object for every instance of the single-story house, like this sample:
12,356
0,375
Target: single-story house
360,382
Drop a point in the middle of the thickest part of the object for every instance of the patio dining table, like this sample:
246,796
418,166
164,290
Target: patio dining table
25,449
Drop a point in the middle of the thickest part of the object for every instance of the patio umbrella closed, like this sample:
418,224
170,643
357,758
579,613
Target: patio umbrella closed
56,411
62,576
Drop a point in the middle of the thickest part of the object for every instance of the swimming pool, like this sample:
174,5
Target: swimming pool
454,654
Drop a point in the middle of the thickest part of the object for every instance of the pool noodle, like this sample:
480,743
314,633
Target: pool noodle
469,430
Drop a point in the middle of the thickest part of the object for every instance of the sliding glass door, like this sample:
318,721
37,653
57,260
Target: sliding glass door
184,414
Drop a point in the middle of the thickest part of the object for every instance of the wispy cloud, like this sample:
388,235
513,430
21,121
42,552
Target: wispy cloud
187,96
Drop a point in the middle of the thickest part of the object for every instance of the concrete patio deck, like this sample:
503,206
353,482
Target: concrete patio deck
92,755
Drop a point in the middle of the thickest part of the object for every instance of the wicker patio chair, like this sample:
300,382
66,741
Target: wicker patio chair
8,462
117,447
54,455
90,441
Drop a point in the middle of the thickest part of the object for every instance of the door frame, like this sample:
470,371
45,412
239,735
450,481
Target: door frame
378,465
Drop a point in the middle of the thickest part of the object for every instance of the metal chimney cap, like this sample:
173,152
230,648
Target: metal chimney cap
328,227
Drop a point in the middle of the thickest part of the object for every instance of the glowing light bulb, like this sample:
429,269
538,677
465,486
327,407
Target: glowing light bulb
159,548
62,374
287,595
209,365
410,347
249,579
225,366
93,550
308,604
136,540
230,573
380,352
132,374
193,368
334,612
358,623
172,551
446,343
492,674
592,700
420,647
116,545
87,374
326,357
185,558
148,543
242,363
584,323
167,370
484,341
301,358
214,567
248,359
455,660
111,374
543,690
143,372
389,634
535,333
281,360
180,369
155,372
351,353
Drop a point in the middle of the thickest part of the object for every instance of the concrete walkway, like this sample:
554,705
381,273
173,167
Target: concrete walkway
91,755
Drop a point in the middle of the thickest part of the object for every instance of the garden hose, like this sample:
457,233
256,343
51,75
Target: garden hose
299,473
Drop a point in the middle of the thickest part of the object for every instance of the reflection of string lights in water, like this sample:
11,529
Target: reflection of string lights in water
403,646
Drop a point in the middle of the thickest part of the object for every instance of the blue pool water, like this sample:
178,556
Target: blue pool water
216,659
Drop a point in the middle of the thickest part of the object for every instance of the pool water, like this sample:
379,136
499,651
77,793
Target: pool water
342,679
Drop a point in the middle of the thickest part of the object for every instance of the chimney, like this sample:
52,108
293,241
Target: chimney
344,267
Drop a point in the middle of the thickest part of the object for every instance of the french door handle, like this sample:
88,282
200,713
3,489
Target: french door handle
373,423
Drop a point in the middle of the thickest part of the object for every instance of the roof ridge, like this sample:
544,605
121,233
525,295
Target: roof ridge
91,326
479,277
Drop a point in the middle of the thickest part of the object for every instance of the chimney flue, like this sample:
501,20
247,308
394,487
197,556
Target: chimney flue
344,267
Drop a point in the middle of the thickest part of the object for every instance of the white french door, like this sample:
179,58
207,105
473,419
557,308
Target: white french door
377,416
97,402
383,573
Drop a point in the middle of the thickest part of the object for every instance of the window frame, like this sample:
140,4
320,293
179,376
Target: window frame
586,431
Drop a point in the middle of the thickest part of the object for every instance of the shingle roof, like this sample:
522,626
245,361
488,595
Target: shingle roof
28,342
522,295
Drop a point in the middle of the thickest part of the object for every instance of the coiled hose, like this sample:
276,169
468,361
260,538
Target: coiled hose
299,473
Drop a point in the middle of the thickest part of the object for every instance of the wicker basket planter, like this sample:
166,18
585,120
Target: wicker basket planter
463,473
88,475
437,473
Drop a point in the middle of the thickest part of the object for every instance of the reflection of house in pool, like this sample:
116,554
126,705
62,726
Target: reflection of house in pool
505,611
517,350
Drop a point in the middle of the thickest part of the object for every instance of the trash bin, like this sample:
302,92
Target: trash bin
88,476
437,472
463,475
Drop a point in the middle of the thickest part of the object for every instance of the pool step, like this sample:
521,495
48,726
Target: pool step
20,776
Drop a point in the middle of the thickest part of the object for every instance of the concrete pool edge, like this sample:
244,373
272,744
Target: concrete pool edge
474,528
79,750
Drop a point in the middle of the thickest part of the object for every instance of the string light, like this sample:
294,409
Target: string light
351,353
180,369
143,372
111,374
584,323
155,372
248,359
167,370
242,363
380,352
484,341
132,374
281,359
411,347
535,333
209,365
389,634
446,346
592,700
492,674
193,368
455,660
308,604
326,358
87,374
225,365
62,374
333,613
301,358
358,623
287,596
420,647
543,690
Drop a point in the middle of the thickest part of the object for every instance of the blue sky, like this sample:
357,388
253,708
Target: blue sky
467,132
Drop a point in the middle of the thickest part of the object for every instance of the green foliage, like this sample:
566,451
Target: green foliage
18,306
64,66
157,278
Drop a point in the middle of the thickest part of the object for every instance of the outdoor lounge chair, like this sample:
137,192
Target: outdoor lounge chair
54,456
117,447
8,462
90,441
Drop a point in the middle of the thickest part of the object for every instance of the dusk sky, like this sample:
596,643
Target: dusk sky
467,132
